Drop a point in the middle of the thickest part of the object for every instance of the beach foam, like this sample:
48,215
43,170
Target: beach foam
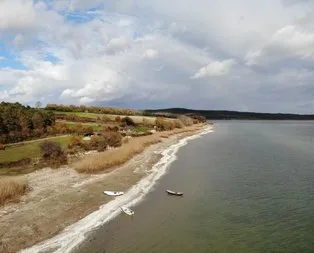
75,234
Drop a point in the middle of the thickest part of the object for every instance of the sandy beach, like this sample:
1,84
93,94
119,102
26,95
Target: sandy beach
60,199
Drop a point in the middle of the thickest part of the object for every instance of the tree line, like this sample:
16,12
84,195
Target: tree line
91,109
19,122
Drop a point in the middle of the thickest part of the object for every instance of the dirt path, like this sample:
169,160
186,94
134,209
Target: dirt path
61,197
31,141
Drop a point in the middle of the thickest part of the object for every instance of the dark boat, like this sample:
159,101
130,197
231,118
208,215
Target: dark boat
174,193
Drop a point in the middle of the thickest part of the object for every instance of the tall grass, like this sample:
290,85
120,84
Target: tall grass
167,134
11,189
115,157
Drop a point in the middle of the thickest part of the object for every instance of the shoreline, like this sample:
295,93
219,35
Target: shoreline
136,179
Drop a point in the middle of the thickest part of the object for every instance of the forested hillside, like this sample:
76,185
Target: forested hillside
214,114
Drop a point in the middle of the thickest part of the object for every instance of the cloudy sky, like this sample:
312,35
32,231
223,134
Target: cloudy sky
248,55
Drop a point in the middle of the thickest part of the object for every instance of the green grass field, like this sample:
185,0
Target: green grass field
81,114
136,119
96,126
28,150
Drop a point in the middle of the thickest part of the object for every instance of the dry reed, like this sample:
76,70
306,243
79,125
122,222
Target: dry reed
167,134
115,157
11,189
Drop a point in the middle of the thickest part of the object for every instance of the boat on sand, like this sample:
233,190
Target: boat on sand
174,193
127,210
112,193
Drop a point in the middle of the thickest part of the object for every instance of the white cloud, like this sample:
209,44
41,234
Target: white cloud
26,16
118,44
86,100
17,14
214,69
289,41
150,54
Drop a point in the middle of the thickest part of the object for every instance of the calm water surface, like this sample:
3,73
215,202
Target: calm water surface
248,188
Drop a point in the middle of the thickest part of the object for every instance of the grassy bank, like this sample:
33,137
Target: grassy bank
118,156
30,149
112,117
115,157
11,189
96,126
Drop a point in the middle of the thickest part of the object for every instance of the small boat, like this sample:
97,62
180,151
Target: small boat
174,193
127,210
112,193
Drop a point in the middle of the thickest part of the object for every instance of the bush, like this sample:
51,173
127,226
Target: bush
164,124
75,141
99,143
178,124
187,121
2,147
128,121
83,130
50,149
113,139
117,119
105,119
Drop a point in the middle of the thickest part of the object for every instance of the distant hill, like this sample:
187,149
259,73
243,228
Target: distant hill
228,115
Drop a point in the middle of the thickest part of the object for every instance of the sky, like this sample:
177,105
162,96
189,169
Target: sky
246,55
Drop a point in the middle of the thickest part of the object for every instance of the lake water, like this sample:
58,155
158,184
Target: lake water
249,187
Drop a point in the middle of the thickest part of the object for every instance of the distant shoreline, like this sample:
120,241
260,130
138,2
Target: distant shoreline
233,115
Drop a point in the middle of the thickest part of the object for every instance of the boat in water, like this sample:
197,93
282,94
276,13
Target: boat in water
174,193
127,210
112,193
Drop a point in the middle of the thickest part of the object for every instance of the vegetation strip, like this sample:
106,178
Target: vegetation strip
11,189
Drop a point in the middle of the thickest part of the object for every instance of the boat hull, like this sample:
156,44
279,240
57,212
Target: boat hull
127,210
174,193
111,193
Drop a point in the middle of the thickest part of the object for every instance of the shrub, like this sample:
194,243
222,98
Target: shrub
128,121
178,123
99,143
164,124
75,141
197,118
187,121
2,147
105,119
117,119
113,139
50,149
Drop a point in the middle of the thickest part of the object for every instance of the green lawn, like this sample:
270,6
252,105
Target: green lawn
96,126
81,114
28,150
136,119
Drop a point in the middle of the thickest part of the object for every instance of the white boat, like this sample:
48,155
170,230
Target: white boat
174,193
127,210
112,193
